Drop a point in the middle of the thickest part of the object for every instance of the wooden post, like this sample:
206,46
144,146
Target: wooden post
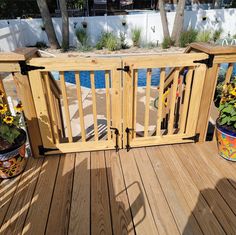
221,55
25,95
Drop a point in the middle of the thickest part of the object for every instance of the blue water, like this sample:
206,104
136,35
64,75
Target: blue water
100,77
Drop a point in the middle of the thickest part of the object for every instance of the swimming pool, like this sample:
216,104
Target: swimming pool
100,77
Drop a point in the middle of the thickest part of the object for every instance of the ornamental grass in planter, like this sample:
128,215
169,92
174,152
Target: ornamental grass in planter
12,141
226,123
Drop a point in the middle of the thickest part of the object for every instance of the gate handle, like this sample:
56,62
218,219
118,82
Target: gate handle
127,130
117,137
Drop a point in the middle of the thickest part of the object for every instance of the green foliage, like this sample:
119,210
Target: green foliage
83,38
8,133
228,105
167,43
187,37
108,40
216,34
234,36
204,36
136,37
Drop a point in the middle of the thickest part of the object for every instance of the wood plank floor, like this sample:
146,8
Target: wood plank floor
173,189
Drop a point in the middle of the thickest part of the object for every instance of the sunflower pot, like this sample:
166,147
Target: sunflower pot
12,159
226,141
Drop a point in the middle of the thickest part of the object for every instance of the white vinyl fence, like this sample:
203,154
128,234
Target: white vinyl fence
27,32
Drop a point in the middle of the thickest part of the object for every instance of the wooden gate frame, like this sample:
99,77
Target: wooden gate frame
74,64
130,95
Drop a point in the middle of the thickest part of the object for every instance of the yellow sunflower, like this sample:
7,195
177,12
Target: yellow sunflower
3,108
8,119
233,92
19,108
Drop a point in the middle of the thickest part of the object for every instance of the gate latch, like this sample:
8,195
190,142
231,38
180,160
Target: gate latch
195,138
43,150
125,69
117,137
127,130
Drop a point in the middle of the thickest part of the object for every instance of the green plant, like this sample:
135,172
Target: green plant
9,124
216,34
83,39
136,37
204,36
167,43
234,36
187,37
227,107
108,40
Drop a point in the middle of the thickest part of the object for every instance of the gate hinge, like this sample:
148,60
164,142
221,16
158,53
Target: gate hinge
195,138
208,62
125,69
25,68
43,150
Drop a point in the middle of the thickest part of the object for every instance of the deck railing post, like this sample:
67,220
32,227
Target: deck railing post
25,95
221,55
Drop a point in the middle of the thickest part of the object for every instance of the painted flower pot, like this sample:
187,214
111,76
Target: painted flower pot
226,140
13,160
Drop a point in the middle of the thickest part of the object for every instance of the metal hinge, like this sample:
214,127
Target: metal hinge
125,69
208,62
195,138
25,68
43,150
117,137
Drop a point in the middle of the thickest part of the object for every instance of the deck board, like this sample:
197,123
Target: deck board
174,189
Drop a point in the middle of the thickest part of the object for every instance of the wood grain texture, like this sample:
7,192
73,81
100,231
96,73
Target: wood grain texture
15,217
173,194
59,215
141,212
197,172
80,204
41,201
196,202
100,208
120,209
159,206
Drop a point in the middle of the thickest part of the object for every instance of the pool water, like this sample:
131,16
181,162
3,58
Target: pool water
100,77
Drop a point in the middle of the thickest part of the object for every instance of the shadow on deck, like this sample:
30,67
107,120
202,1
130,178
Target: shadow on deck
175,189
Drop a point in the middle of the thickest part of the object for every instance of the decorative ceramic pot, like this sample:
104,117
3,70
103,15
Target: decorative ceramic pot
226,140
13,160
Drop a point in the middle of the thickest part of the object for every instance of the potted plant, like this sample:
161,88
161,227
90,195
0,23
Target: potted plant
12,141
226,123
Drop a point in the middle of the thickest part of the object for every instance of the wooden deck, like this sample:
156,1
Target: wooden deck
177,189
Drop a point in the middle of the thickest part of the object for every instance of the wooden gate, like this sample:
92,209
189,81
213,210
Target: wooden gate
156,110
68,115
165,112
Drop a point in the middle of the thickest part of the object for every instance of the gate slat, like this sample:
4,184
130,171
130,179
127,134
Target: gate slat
173,101
92,80
135,74
229,73
66,106
186,100
81,112
160,102
147,108
52,108
108,105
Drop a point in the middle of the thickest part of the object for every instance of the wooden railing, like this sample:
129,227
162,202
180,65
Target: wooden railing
218,56
183,107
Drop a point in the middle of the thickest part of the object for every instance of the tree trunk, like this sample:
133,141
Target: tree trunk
164,21
47,21
178,23
65,25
